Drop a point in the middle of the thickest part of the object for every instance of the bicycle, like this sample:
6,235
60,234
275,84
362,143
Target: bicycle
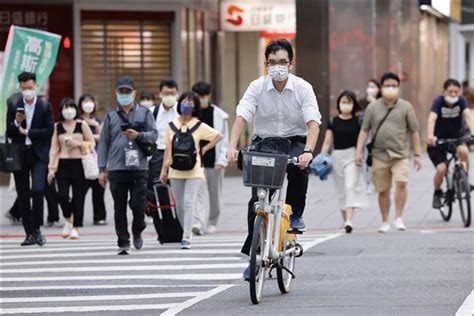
456,184
274,245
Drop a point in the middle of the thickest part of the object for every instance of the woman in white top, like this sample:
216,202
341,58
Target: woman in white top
186,182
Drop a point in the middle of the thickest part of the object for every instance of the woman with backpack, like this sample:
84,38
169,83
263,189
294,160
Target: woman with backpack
182,159
72,139
341,134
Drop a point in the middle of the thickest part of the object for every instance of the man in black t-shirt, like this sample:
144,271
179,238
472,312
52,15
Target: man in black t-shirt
446,121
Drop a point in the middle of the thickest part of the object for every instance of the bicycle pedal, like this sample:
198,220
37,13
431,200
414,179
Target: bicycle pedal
294,231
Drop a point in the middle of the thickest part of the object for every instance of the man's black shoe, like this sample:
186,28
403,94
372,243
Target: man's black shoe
437,204
29,241
138,242
123,250
39,238
247,274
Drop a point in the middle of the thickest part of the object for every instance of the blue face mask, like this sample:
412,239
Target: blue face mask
125,99
186,108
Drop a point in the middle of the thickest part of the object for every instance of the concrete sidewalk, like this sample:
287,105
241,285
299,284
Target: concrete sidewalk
321,213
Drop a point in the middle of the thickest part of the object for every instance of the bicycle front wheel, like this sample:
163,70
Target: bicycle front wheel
463,194
287,265
448,198
257,268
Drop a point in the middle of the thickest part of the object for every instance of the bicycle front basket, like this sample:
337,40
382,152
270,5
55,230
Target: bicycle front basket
264,170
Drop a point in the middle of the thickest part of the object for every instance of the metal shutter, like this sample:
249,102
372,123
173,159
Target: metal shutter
141,49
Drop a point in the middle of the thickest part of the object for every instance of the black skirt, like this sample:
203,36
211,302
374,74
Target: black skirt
70,169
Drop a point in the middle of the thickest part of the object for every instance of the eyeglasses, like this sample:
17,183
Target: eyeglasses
279,63
390,86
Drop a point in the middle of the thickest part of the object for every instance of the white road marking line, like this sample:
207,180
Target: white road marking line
73,247
185,276
91,298
72,309
180,307
113,253
310,244
212,238
109,261
180,267
467,308
99,287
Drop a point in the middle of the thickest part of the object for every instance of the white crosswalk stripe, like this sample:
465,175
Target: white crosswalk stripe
87,276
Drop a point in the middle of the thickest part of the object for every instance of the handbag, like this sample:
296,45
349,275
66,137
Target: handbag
148,149
90,165
11,156
370,146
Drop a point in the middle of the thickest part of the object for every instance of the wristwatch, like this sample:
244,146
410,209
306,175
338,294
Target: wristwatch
307,150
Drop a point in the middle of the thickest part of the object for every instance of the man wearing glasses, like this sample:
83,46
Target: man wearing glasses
396,120
282,105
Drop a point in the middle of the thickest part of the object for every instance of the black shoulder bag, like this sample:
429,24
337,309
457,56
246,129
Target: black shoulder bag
370,145
148,149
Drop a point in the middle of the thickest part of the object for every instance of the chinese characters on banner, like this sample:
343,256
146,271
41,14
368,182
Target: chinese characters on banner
26,50
258,16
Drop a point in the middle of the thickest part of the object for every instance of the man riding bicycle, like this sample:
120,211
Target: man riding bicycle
446,121
283,106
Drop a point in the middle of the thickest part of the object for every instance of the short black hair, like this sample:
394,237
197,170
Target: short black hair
70,103
25,76
195,98
351,95
145,94
202,88
279,44
389,75
451,82
170,83
82,98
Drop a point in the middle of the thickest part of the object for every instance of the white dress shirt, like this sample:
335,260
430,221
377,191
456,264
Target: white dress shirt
279,114
29,111
163,119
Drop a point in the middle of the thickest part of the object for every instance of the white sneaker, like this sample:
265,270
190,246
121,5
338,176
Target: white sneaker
384,228
197,231
398,223
67,229
211,229
74,234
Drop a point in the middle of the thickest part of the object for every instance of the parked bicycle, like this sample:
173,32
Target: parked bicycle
456,185
274,246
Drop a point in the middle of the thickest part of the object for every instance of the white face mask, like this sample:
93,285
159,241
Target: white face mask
29,93
88,107
346,108
169,100
279,72
204,101
390,92
147,103
69,113
451,100
372,91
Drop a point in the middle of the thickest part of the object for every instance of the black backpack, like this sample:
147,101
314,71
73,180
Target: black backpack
183,149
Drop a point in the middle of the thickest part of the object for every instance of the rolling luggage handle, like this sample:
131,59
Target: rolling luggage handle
172,205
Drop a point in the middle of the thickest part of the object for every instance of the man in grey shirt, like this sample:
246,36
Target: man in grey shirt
123,162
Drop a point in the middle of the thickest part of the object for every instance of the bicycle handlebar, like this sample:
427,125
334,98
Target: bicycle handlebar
455,141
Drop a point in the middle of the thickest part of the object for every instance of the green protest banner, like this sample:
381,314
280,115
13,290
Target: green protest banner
26,50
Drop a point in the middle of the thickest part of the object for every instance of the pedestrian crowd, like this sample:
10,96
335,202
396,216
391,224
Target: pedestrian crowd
184,140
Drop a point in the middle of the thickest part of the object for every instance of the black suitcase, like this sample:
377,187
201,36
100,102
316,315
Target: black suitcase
162,207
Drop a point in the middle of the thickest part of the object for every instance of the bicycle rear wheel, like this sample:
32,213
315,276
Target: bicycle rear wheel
463,194
448,198
257,268
288,262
